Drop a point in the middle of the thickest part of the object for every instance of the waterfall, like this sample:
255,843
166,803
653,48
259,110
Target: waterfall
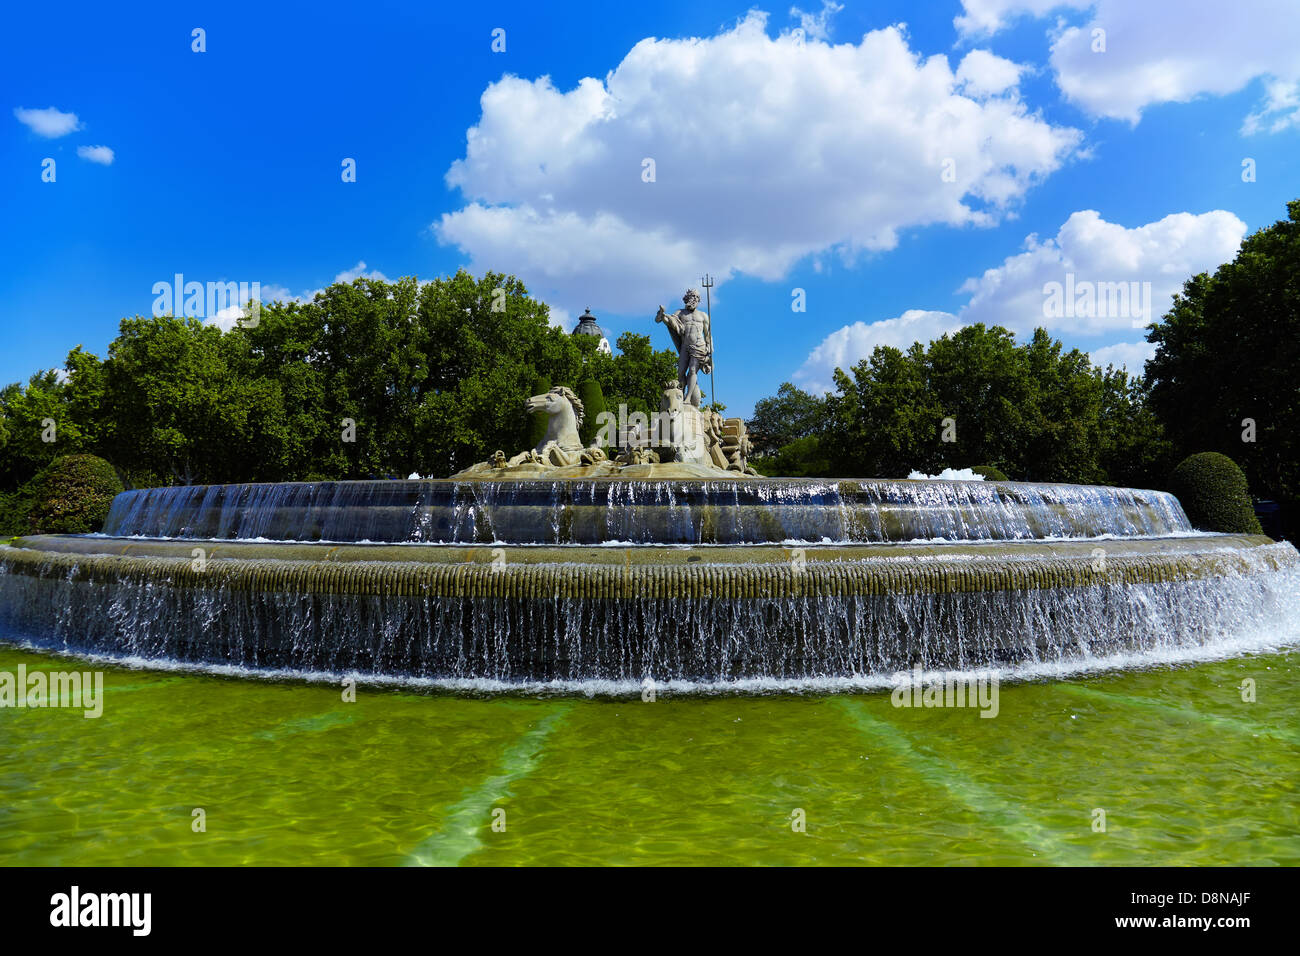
703,623
644,512
603,581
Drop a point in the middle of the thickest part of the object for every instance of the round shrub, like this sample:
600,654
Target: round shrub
71,495
1214,494
990,473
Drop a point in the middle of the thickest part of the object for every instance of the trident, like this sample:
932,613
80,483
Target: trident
707,283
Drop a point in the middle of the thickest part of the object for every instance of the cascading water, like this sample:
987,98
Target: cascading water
599,581
643,512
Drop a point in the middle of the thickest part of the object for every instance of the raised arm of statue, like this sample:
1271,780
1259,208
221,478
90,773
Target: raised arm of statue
674,324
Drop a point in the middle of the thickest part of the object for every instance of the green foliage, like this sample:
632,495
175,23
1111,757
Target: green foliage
537,421
635,377
791,415
1228,351
71,495
593,405
1214,493
1135,450
1034,408
39,426
990,473
802,458
424,377
13,513
1040,412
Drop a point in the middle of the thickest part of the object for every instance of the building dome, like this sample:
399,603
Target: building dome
587,326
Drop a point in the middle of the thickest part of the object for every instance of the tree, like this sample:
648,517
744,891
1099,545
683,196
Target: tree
1134,452
1223,377
974,397
39,426
636,376
804,457
790,415
187,405
593,406
70,495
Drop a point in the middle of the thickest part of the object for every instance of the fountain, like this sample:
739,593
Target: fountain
671,561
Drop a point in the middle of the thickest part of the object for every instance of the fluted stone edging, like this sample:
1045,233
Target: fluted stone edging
1014,567
615,614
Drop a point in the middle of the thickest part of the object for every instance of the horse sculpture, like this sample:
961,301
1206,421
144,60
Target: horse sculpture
686,438
562,445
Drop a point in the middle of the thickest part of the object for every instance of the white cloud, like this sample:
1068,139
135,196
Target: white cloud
49,122
273,292
985,17
1280,109
1164,253
817,26
1128,355
1087,248
846,346
982,73
277,293
1165,51
96,154
766,151
226,319
359,271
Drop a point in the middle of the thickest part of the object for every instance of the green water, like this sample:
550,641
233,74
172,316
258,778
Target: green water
287,773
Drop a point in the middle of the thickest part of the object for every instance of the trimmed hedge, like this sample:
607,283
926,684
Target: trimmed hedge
70,495
13,514
1214,493
593,406
537,420
990,473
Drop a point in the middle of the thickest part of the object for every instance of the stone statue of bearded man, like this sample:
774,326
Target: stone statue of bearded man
693,340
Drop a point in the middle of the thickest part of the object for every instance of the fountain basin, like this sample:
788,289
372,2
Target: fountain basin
704,614
635,510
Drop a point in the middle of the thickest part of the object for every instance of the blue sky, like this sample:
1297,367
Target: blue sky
782,161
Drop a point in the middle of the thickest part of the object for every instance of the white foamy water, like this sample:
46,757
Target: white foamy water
1228,648
948,474
723,511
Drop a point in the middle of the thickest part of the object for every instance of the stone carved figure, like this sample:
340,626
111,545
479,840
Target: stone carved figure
635,455
682,427
692,443
561,445
717,456
693,339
